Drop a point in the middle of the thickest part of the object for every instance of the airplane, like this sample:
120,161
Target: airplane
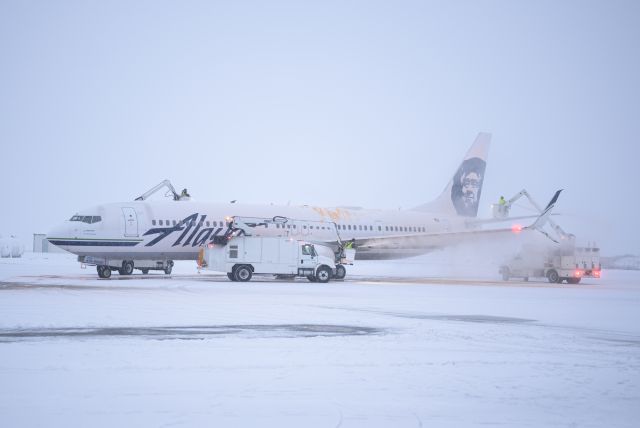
149,235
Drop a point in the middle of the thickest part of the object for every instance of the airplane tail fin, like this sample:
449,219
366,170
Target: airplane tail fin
462,194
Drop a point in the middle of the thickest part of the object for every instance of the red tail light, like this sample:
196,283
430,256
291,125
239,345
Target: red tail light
516,228
577,273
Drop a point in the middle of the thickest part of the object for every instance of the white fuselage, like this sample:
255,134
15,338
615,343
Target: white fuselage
176,230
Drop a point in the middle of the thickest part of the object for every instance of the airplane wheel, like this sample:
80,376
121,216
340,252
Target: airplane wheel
145,271
341,272
552,276
323,274
104,271
169,267
243,273
127,268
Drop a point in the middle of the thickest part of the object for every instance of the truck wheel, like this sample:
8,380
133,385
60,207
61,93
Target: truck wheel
312,278
341,272
127,268
243,273
231,277
552,276
505,273
145,271
104,271
573,280
169,267
323,274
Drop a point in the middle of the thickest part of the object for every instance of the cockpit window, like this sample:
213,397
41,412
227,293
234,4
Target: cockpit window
89,219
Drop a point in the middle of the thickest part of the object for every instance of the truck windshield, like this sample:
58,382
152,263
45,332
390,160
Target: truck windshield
308,250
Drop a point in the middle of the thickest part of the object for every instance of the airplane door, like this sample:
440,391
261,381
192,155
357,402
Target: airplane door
130,221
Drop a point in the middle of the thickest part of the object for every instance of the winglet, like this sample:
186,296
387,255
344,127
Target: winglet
554,199
541,221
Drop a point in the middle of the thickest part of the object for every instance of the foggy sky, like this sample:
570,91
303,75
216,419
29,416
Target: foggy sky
360,103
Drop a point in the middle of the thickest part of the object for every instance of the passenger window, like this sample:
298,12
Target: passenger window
153,222
160,222
208,223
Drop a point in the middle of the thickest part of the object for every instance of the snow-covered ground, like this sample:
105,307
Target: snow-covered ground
404,343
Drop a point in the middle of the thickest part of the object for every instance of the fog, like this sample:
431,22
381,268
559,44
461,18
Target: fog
354,103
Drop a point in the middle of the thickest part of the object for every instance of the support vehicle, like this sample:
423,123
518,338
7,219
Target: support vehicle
242,252
565,262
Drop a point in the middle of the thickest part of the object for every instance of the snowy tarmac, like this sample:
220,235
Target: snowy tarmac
421,348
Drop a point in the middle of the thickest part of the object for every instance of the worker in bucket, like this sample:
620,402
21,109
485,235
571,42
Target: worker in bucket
350,244
502,206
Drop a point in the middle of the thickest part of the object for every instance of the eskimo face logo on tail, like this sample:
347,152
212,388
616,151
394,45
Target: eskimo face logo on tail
467,187
193,233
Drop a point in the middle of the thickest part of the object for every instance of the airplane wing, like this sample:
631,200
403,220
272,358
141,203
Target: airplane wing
442,239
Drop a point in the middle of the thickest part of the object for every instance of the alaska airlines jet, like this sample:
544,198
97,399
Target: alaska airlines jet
149,235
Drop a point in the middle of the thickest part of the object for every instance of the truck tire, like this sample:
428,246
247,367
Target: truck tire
552,276
104,271
573,280
312,278
341,272
323,274
145,271
169,267
127,268
243,273
231,276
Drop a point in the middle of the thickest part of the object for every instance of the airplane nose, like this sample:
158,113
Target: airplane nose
60,231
